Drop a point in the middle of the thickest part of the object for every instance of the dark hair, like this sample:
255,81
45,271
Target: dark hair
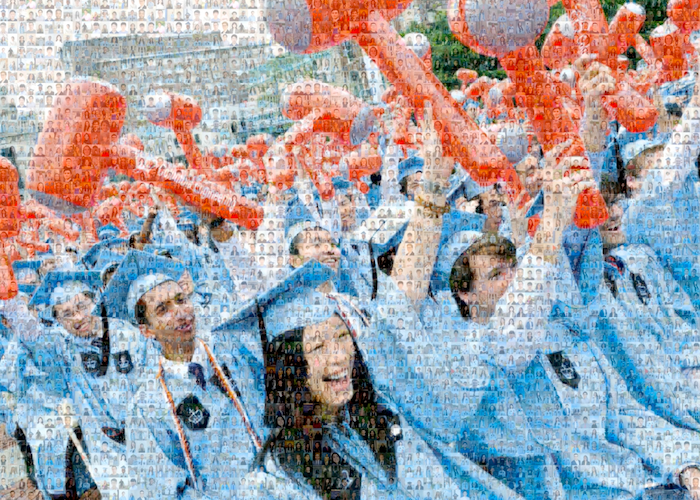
140,312
462,277
108,273
611,187
214,223
294,245
285,367
403,185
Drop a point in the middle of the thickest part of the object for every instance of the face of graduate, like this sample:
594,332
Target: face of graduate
186,283
318,245
492,204
490,279
170,319
75,315
330,356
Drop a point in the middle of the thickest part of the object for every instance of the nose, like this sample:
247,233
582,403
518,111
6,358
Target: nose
337,357
184,311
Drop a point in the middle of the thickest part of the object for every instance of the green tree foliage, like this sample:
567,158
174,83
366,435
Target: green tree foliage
449,54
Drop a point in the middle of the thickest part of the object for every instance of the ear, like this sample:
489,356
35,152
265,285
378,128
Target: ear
296,261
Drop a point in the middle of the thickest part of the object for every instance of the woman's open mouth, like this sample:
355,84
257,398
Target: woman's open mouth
339,381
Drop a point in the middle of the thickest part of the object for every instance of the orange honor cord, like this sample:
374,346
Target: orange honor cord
232,396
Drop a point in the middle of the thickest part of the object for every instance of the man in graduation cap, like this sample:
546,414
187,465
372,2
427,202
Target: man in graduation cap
80,358
199,395
206,264
500,358
646,312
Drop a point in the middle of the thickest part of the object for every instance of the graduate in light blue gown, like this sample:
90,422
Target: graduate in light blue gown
645,315
531,366
82,360
199,399
333,434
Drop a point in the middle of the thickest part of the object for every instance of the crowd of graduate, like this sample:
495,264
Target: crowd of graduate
422,340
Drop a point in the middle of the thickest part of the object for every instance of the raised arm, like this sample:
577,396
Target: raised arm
425,226
520,326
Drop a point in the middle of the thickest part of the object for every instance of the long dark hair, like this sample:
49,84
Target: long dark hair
297,440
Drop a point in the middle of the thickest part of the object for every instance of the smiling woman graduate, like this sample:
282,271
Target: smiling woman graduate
332,434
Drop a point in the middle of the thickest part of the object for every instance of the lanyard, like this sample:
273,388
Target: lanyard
229,392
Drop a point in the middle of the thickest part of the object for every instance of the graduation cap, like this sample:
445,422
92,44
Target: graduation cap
179,252
453,222
23,270
537,206
188,220
410,166
91,256
292,303
108,232
58,287
138,274
299,217
106,258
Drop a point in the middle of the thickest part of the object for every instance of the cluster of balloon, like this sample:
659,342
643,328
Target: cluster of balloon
131,196
331,124
560,47
80,154
308,26
19,227
500,33
241,164
609,42
670,44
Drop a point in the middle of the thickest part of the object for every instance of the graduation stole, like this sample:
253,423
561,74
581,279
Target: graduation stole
229,392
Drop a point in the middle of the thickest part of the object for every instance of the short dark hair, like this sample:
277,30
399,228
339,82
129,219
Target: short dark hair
462,276
403,186
140,312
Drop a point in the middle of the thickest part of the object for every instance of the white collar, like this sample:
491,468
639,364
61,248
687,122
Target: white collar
181,369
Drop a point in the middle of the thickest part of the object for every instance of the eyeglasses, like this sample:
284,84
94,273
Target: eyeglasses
81,307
